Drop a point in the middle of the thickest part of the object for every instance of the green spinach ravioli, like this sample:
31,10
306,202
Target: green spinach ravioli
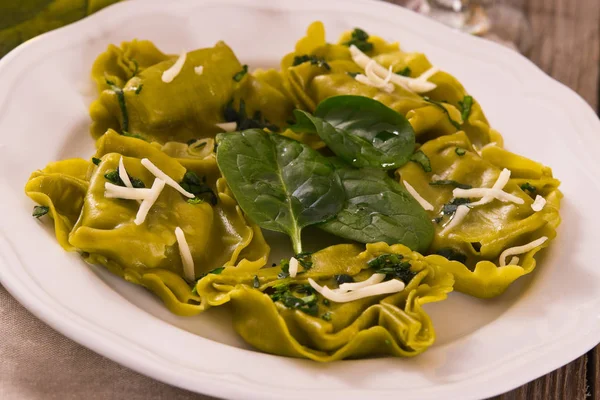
360,141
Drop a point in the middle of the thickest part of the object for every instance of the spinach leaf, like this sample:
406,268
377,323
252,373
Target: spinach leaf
281,184
379,209
361,131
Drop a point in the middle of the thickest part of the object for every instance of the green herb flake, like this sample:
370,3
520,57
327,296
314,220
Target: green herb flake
113,177
326,302
199,188
136,69
40,211
449,182
244,122
326,316
240,75
255,282
96,161
138,89
285,269
393,266
460,151
285,295
359,38
353,74
440,105
343,278
304,259
450,208
406,71
314,60
420,158
465,107
121,100
528,187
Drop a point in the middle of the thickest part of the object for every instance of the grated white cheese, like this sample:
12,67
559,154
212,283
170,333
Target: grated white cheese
113,191
148,202
199,70
228,126
186,255
166,178
372,79
347,287
424,203
460,214
538,203
428,74
487,195
171,73
123,174
293,269
514,261
412,84
388,287
521,249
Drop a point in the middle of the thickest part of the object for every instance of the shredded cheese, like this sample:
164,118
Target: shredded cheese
293,270
428,74
186,255
372,79
228,126
165,178
123,174
171,73
460,214
514,261
521,249
113,191
412,84
199,70
487,195
538,203
148,202
424,203
392,286
347,287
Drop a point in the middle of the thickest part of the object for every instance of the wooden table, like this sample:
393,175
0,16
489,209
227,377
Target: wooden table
566,45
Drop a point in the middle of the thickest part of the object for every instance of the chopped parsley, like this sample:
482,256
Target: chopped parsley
239,75
460,151
343,278
121,99
326,316
326,302
450,208
198,187
406,71
465,107
96,161
113,177
528,187
243,121
139,89
449,182
255,282
452,255
216,271
285,269
353,74
393,267
304,259
40,211
441,107
314,60
285,295
420,158
359,38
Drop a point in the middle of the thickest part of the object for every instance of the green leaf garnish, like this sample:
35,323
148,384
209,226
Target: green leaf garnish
113,177
448,182
138,89
420,158
326,316
199,188
40,211
406,71
306,304
361,131
121,100
281,184
304,259
450,208
239,75
314,60
528,187
343,278
285,269
460,151
243,121
360,38
353,74
465,107
96,161
393,267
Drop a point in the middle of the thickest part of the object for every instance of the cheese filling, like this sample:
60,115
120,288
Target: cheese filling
521,249
424,203
186,255
171,73
165,178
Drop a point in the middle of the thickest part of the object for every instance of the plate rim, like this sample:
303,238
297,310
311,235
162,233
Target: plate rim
84,335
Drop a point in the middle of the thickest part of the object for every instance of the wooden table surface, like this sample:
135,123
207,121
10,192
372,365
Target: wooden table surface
566,45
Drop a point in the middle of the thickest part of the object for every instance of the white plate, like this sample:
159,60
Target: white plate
484,347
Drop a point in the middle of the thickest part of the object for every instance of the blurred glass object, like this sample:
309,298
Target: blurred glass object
496,20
